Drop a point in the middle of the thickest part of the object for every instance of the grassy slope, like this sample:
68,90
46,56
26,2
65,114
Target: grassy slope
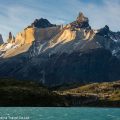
107,93
28,93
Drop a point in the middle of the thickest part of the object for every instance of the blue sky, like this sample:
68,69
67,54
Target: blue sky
15,15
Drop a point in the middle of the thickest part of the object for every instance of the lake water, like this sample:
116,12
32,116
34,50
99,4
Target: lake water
54,113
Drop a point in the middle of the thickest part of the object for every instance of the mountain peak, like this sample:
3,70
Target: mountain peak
41,23
104,31
10,35
81,17
81,22
11,38
1,39
106,27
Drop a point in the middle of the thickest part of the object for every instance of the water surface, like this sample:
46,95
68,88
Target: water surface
58,113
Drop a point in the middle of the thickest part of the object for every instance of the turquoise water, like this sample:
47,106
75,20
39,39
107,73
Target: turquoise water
40,113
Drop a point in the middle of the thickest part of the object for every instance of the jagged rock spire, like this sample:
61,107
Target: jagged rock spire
81,17
81,22
11,38
1,39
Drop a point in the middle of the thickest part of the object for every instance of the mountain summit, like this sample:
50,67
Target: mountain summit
82,18
104,31
81,22
57,54
42,23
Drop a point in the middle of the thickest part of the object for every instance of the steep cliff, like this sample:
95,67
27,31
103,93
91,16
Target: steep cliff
40,29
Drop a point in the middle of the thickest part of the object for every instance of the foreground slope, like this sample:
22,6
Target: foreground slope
106,94
29,93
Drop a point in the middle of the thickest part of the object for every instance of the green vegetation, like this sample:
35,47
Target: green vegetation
27,93
95,94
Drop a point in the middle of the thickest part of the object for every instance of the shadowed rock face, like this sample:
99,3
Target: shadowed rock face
96,65
42,23
104,31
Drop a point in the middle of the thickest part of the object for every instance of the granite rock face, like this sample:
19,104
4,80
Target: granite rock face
57,54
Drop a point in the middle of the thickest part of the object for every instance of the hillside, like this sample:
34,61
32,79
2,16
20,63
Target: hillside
27,93
106,94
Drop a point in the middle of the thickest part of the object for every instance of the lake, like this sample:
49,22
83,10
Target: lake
59,113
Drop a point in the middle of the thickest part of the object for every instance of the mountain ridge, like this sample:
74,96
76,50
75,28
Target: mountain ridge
57,54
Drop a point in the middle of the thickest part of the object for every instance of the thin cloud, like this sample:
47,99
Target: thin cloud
16,16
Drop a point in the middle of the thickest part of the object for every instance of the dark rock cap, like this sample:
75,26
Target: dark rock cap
42,23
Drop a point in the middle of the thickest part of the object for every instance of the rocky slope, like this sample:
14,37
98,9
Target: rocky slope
40,29
57,54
